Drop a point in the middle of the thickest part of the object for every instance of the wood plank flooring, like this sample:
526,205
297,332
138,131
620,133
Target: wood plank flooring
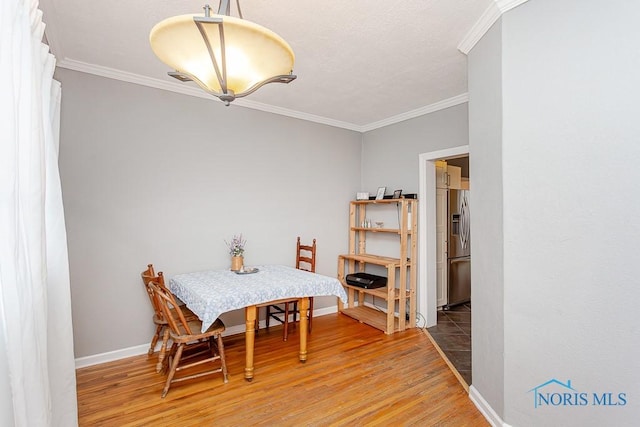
355,376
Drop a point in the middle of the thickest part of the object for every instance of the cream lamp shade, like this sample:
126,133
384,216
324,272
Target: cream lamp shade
226,56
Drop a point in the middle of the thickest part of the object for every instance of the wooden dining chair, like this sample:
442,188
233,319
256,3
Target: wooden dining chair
305,260
189,344
159,320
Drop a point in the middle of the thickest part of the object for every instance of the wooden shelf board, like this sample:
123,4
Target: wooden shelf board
382,201
375,259
379,230
377,292
371,316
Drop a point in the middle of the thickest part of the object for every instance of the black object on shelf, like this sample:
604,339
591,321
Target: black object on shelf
366,280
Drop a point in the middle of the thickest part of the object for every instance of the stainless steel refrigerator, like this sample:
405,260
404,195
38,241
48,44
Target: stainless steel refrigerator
459,248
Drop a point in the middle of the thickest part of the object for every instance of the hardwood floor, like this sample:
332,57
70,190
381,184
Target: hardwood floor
355,376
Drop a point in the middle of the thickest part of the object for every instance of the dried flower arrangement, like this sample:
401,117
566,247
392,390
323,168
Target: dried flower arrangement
236,246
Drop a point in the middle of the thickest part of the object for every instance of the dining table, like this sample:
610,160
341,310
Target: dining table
210,293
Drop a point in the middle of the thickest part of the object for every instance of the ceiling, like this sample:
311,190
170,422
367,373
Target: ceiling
358,62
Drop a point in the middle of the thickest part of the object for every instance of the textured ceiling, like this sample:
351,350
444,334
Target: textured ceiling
358,62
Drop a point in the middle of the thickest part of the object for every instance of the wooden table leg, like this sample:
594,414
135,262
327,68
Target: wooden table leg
304,327
249,337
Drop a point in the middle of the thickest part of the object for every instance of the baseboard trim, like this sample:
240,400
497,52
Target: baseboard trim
110,356
483,406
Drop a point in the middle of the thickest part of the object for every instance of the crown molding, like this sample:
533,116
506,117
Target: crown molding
441,105
186,89
297,115
486,20
482,25
506,5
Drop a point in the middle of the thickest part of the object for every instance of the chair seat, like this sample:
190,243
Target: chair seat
217,327
279,301
188,314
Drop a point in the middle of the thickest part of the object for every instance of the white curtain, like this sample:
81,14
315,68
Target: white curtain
37,372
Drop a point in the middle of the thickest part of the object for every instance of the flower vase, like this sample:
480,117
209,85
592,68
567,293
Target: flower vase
236,263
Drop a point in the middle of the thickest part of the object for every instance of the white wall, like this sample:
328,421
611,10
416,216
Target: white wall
570,158
485,164
150,176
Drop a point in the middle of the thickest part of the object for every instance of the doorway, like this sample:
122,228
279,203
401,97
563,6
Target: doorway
453,232
450,330
427,277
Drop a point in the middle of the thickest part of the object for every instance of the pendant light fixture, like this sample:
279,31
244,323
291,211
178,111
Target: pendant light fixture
228,57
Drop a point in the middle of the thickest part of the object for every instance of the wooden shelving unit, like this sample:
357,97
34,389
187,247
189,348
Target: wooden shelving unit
400,291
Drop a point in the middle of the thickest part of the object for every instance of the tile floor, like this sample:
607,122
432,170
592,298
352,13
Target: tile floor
453,336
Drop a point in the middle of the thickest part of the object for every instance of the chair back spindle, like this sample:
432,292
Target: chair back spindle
159,317
170,308
306,256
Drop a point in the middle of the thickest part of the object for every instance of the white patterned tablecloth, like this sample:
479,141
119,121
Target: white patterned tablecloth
210,293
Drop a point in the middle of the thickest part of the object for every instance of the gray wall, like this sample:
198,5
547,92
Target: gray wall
571,278
390,158
570,201
485,163
150,176
390,154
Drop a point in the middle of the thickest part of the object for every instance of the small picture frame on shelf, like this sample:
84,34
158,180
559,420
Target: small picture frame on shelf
397,194
380,193
362,195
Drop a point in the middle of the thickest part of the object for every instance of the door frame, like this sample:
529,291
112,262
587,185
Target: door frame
427,280
442,207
